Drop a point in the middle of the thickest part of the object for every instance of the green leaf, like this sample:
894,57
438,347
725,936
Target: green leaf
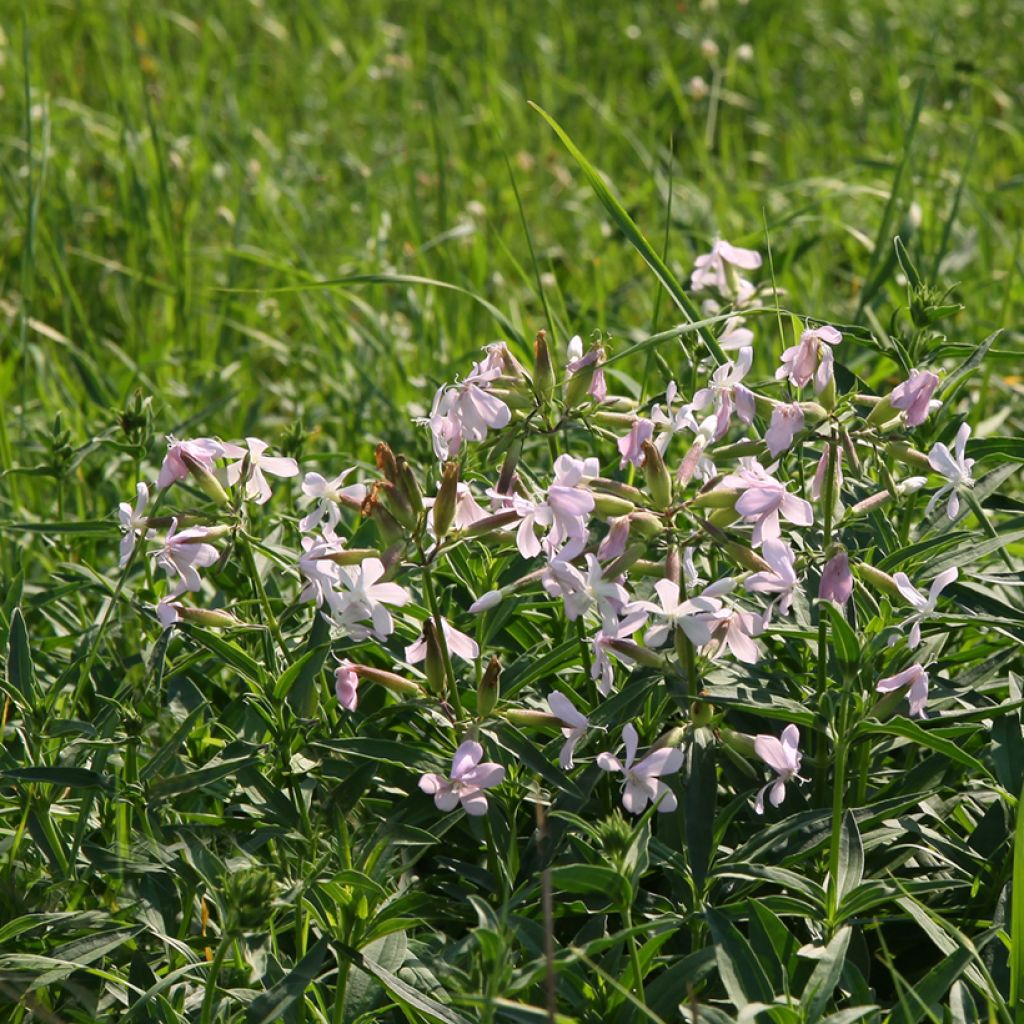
1017,910
74,778
699,799
229,652
851,858
1003,447
187,782
21,679
907,729
844,640
586,879
269,1007
826,974
925,998
636,238
742,975
959,376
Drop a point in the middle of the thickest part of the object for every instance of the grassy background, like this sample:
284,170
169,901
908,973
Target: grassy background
155,156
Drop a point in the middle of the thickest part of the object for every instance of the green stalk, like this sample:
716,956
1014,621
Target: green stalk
634,956
269,620
828,501
838,780
684,646
449,671
206,1013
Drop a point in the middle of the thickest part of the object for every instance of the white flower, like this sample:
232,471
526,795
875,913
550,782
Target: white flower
671,422
718,269
693,616
315,565
459,644
642,782
183,554
726,393
257,487
575,728
787,422
362,597
924,606
328,494
582,592
783,757
764,498
133,521
781,579
201,451
955,468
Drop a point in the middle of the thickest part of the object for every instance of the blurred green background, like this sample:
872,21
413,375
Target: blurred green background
156,154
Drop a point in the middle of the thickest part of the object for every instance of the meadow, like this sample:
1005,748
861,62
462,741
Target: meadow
304,223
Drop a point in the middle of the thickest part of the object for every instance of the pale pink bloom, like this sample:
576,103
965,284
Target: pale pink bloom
201,450
725,393
614,543
641,781
924,606
574,729
694,616
735,629
346,685
810,357
582,592
168,613
498,362
836,579
469,778
459,644
183,554
735,335
818,483
783,757
316,567
955,468
257,488
328,495
787,421
564,512
602,671
917,679
631,446
574,350
764,499
478,411
361,596
781,579
914,396
670,422
696,462
133,521
445,428
718,271
467,509
598,389
485,602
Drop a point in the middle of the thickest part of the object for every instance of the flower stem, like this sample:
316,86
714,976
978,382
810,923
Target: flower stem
269,619
634,956
838,785
452,690
828,506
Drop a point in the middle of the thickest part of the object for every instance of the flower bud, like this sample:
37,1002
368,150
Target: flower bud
409,485
350,556
836,579
490,524
911,485
386,463
213,617
646,524
535,719
738,741
208,483
902,452
701,713
624,562
717,497
659,481
882,412
641,655
488,689
608,506
871,502
543,372
878,579
398,505
506,478
673,738
389,680
434,664
447,495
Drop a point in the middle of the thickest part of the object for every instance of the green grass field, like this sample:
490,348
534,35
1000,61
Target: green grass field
295,220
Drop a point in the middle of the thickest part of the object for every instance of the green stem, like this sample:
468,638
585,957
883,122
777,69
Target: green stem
449,671
634,956
838,785
828,502
270,621
206,1013
684,646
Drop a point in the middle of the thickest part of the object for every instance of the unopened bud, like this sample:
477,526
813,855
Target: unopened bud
659,481
398,505
208,483
350,556
409,485
701,713
488,689
646,524
717,497
743,555
608,506
532,719
740,742
624,562
543,372
872,502
386,463
911,485
445,502
389,680
883,411
434,663
878,579
902,452
813,411
205,616
507,475
486,602
673,738
490,524
633,651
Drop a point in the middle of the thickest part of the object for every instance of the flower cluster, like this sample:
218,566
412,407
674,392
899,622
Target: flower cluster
676,537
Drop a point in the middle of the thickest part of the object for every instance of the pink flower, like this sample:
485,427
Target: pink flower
459,644
924,606
917,679
818,483
642,782
717,270
810,357
787,422
735,629
183,554
614,542
346,685
764,499
781,579
598,389
693,616
669,423
575,728
725,392
564,512
914,396
202,451
630,446
836,579
469,778
256,486
582,592
316,567
133,521
783,757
